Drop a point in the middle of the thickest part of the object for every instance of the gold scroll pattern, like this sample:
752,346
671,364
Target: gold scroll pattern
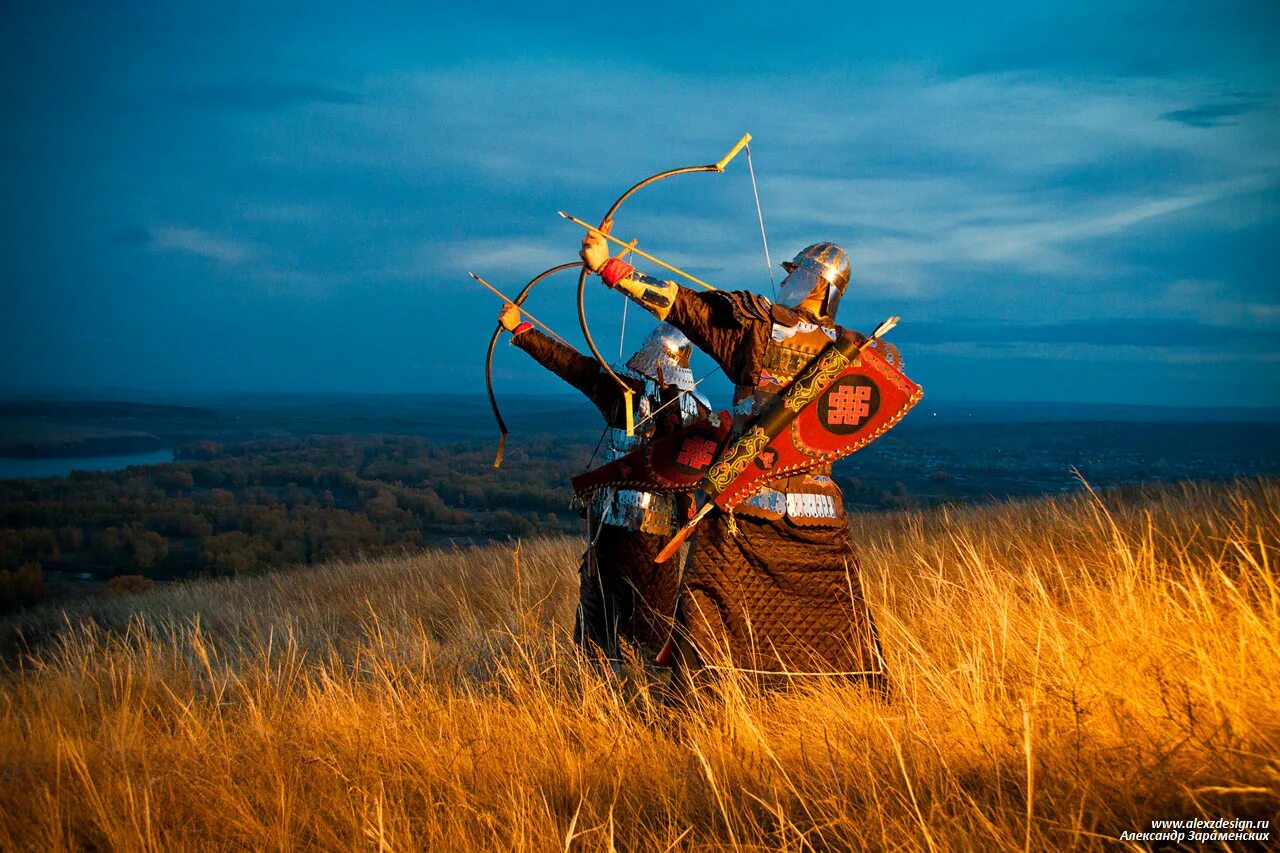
813,381
745,449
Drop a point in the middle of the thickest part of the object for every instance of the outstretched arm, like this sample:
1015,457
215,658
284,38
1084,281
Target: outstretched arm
581,371
730,326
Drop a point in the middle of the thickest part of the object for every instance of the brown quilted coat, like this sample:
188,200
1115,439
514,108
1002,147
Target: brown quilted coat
777,596
624,596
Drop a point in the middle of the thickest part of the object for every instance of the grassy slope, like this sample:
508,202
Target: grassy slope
1066,669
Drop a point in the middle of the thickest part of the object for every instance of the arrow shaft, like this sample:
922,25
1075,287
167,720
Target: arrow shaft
632,247
533,319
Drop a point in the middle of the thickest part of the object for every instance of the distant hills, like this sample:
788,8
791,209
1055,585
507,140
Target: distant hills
65,425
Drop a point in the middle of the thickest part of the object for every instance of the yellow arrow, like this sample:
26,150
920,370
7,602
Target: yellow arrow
632,247
506,298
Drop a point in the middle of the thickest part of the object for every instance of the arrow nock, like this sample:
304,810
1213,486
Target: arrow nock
883,328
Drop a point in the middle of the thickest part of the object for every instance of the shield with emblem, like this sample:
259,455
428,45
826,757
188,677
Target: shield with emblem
851,394
848,397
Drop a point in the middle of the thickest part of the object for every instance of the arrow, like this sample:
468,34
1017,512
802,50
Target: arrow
632,247
504,298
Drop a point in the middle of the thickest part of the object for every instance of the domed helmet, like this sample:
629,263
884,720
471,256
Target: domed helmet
664,357
822,267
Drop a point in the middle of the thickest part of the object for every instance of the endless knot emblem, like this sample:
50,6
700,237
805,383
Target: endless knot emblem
849,405
696,453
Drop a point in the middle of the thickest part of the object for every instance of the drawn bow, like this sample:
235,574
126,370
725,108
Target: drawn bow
605,226
493,343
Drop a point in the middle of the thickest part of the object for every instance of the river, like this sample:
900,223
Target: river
61,466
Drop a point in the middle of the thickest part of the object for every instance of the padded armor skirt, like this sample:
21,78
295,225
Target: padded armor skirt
779,598
625,597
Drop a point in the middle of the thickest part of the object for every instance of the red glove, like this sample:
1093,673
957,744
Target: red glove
615,270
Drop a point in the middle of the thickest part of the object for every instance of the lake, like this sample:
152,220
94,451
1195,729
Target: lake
64,465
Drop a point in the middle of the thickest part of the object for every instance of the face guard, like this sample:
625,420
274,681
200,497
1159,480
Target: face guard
822,268
800,284
664,357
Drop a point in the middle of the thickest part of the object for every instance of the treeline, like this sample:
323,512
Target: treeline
255,506
251,507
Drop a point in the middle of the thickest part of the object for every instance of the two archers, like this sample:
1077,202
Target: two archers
782,593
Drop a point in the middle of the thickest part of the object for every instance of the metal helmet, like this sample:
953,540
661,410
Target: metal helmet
664,357
822,265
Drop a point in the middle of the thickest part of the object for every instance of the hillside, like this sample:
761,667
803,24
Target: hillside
1066,670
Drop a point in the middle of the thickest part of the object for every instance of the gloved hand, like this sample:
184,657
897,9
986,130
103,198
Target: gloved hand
595,251
509,317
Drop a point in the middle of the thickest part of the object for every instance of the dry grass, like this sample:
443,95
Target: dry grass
1065,670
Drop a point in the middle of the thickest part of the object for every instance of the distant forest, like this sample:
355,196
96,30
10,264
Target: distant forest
260,505
262,483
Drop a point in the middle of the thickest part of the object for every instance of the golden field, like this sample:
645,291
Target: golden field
1065,670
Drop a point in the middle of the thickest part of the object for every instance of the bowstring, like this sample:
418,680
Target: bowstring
760,215
773,285
622,332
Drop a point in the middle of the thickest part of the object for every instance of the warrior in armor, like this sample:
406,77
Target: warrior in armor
624,594
774,586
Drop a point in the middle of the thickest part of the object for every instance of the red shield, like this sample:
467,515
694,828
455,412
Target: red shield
845,401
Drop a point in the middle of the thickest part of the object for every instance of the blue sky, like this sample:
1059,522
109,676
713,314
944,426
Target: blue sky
1066,201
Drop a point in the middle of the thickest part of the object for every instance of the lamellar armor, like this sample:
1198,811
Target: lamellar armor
811,498
662,365
796,339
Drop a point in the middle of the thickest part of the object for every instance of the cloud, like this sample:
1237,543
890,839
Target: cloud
1010,199
1212,114
926,173
265,95
1213,301
189,241
193,241
1120,354
482,256
907,232
1042,185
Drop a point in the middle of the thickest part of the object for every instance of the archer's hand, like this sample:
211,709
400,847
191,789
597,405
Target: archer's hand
595,251
509,317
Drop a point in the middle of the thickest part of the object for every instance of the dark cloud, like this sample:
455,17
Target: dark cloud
304,176
265,95
1212,115
132,235
1133,333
